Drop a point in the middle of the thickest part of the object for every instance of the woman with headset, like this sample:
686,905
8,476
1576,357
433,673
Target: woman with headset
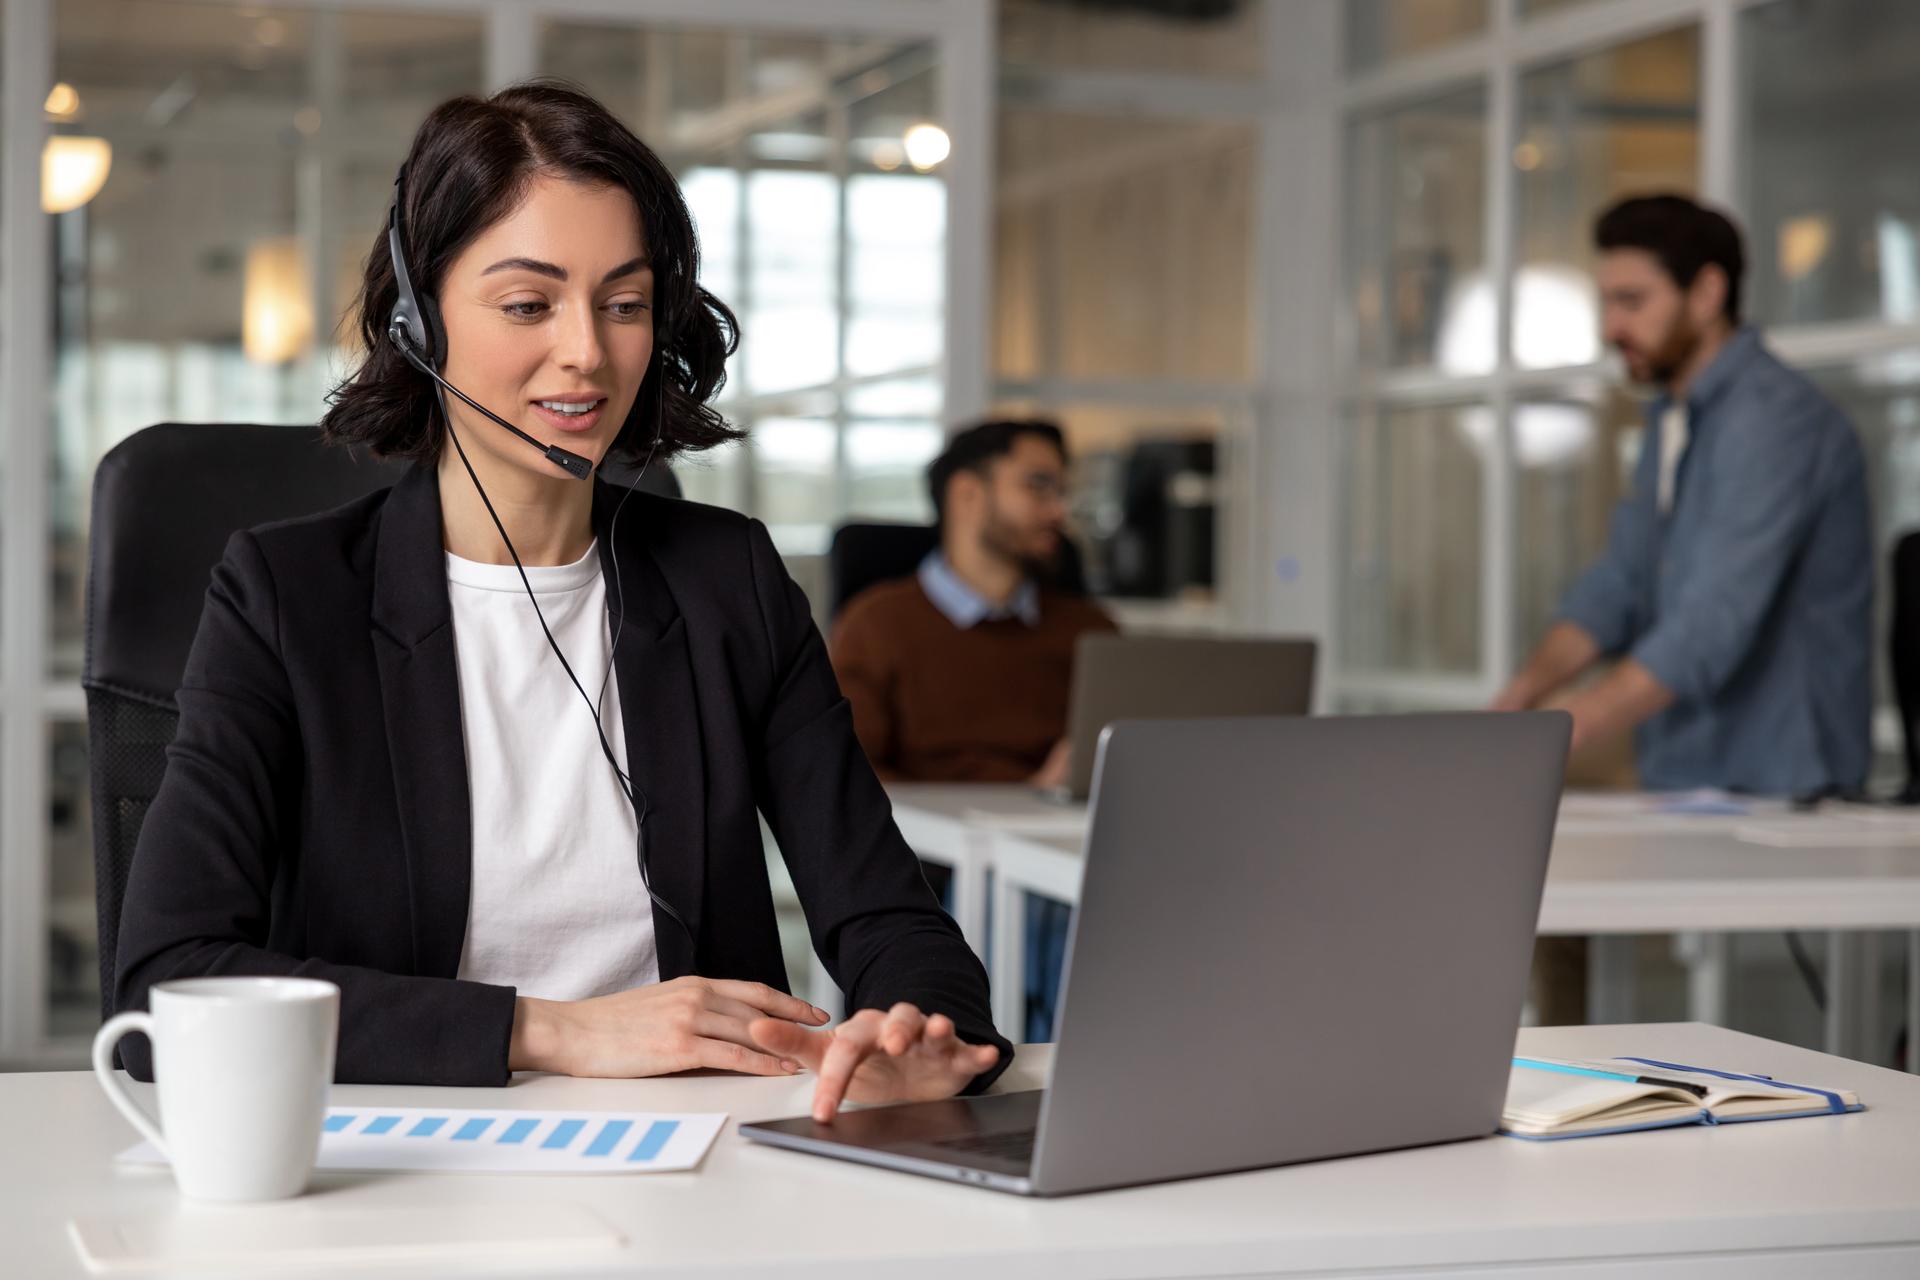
490,749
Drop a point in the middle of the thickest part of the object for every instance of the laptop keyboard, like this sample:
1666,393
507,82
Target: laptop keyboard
1016,1145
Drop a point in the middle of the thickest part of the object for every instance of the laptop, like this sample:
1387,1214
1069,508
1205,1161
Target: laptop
1176,677
1297,938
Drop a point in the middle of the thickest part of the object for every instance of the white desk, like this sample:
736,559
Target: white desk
1638,871
950,823
1841,1194
1613,884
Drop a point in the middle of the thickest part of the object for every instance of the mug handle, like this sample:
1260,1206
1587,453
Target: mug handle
104,1041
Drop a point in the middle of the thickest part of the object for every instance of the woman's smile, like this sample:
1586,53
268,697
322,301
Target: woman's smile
571,413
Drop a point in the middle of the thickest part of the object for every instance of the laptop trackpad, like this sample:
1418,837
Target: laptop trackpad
979,1132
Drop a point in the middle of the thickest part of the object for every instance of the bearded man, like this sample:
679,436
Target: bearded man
1736,588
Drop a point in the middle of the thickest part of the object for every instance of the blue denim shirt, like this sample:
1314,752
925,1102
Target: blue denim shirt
1752,599
966,608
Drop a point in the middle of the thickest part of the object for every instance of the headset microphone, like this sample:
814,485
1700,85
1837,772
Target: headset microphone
419,340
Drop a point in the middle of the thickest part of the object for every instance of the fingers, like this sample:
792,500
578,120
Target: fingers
724,1055
853,1043
922,1057
776,1004
796,1043
906,1027
714,1026
739,1010
942,1040
903,1028
721,1017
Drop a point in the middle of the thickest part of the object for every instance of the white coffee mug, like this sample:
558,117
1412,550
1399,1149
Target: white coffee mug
242,1067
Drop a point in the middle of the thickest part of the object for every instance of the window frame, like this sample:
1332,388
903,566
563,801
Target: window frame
1494,61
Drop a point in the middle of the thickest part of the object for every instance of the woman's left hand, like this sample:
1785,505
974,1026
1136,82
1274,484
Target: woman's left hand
901,1055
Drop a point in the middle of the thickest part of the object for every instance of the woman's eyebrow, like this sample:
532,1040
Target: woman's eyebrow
560,273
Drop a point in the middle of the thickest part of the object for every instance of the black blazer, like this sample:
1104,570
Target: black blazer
314,818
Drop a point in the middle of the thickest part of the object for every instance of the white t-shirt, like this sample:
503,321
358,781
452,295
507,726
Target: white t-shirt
1673,444
557,908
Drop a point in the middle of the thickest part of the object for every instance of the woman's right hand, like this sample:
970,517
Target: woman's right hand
649,1031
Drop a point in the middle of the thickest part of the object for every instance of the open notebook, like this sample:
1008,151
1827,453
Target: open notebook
1564,1098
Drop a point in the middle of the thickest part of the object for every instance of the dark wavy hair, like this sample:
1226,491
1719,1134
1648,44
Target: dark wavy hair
1685,236
469,166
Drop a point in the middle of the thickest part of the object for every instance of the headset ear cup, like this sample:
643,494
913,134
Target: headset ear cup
435,337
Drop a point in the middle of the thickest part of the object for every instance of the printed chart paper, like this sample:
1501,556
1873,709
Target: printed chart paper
454,1140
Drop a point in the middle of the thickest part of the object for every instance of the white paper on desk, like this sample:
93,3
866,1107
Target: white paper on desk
1900,817
1818,831
253,1239
456,1140
1703,802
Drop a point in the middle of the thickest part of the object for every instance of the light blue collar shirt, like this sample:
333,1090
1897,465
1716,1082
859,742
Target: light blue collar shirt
966,608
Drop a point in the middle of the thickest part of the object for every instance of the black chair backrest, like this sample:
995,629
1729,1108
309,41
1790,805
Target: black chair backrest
1903,658
165,501
864,555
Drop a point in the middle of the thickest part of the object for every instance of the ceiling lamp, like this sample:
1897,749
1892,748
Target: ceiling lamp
276,305
927,145
72,171
63,102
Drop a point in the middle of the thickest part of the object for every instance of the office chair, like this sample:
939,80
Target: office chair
165,500
863,555
1903,657
1903,661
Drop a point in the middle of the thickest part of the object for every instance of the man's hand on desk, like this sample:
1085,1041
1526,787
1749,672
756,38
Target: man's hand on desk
901,1055
1624,698
1054,771
653,1030
1517,696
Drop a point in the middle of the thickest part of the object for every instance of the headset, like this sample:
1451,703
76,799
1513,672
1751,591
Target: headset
416,331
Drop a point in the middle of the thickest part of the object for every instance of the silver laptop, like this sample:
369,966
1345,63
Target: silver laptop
1177,678
1296,938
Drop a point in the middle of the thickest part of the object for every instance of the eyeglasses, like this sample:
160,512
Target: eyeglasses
1043,485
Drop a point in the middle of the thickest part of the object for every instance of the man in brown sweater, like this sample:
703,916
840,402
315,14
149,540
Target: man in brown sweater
961,672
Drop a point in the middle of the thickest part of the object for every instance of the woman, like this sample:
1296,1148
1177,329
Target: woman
389,771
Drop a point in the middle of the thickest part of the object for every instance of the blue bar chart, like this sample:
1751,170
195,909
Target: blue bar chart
451,1140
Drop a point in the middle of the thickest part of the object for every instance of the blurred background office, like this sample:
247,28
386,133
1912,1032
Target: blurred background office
1306,282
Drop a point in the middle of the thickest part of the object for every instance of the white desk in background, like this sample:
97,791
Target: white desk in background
1662,882
1828,872
1835,1196
951,824
945,821
1853,869
1844,870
